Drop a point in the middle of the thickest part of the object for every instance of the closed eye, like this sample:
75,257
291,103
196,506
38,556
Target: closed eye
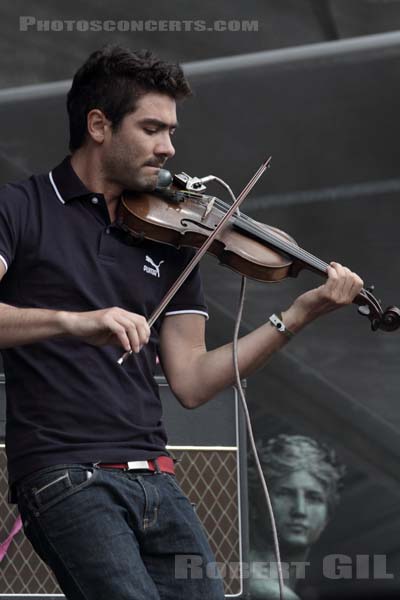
153,130
150,131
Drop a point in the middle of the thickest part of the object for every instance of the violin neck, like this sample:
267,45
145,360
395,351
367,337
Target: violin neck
368,305
302,258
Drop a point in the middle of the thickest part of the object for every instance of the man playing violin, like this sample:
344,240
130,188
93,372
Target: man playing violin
86,446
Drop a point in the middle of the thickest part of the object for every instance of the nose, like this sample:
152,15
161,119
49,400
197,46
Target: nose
164,147
299,505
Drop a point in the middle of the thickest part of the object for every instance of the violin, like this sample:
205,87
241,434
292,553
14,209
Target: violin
181,216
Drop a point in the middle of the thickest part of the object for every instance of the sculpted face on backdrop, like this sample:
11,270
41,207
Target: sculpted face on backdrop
304,478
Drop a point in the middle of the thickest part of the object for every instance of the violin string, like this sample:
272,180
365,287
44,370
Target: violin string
292,248
274,239
283,244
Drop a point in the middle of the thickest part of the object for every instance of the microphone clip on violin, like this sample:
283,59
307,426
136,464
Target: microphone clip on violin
194,184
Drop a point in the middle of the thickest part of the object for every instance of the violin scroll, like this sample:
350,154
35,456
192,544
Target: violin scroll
369,306
390,320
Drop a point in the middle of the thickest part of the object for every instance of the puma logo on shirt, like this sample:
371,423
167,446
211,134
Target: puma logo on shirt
154,269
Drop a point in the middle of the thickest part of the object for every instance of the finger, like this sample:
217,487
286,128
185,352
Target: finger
348,282
120,336
144,334
115,340
131,332
131,329
117,323
333,276
143,329
339,284
141,325
356,285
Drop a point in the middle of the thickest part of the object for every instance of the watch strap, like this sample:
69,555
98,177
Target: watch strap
276,321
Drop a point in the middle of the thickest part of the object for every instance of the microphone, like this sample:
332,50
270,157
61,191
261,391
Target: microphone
164,178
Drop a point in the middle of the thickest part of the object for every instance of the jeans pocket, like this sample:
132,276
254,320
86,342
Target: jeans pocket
54,484
50,487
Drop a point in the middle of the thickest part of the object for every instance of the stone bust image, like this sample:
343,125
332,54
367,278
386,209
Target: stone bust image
304,479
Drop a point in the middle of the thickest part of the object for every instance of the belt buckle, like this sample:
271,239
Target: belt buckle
136,465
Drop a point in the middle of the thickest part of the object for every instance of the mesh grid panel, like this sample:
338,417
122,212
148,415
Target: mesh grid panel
209,479
22,571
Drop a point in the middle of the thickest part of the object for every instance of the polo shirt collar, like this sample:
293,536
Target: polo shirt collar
66,182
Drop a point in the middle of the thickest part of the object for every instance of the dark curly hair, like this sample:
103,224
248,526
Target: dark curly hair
113,79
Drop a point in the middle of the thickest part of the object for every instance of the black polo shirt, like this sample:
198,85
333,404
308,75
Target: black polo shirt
68,401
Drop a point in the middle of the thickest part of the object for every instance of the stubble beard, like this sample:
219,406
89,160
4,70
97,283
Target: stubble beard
127,172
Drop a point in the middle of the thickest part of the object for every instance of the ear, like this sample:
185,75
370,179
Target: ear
97,125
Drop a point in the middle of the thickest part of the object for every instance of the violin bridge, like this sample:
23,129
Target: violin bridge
209,208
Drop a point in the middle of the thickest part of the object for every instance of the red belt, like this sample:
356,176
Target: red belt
161,464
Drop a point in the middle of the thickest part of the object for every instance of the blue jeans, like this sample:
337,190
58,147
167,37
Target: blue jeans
113,535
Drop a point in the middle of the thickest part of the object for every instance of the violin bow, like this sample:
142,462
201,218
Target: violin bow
202,251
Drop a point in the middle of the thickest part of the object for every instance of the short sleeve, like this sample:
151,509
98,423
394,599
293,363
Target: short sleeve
13,203
190,297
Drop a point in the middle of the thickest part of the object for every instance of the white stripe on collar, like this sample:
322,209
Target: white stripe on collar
55,188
